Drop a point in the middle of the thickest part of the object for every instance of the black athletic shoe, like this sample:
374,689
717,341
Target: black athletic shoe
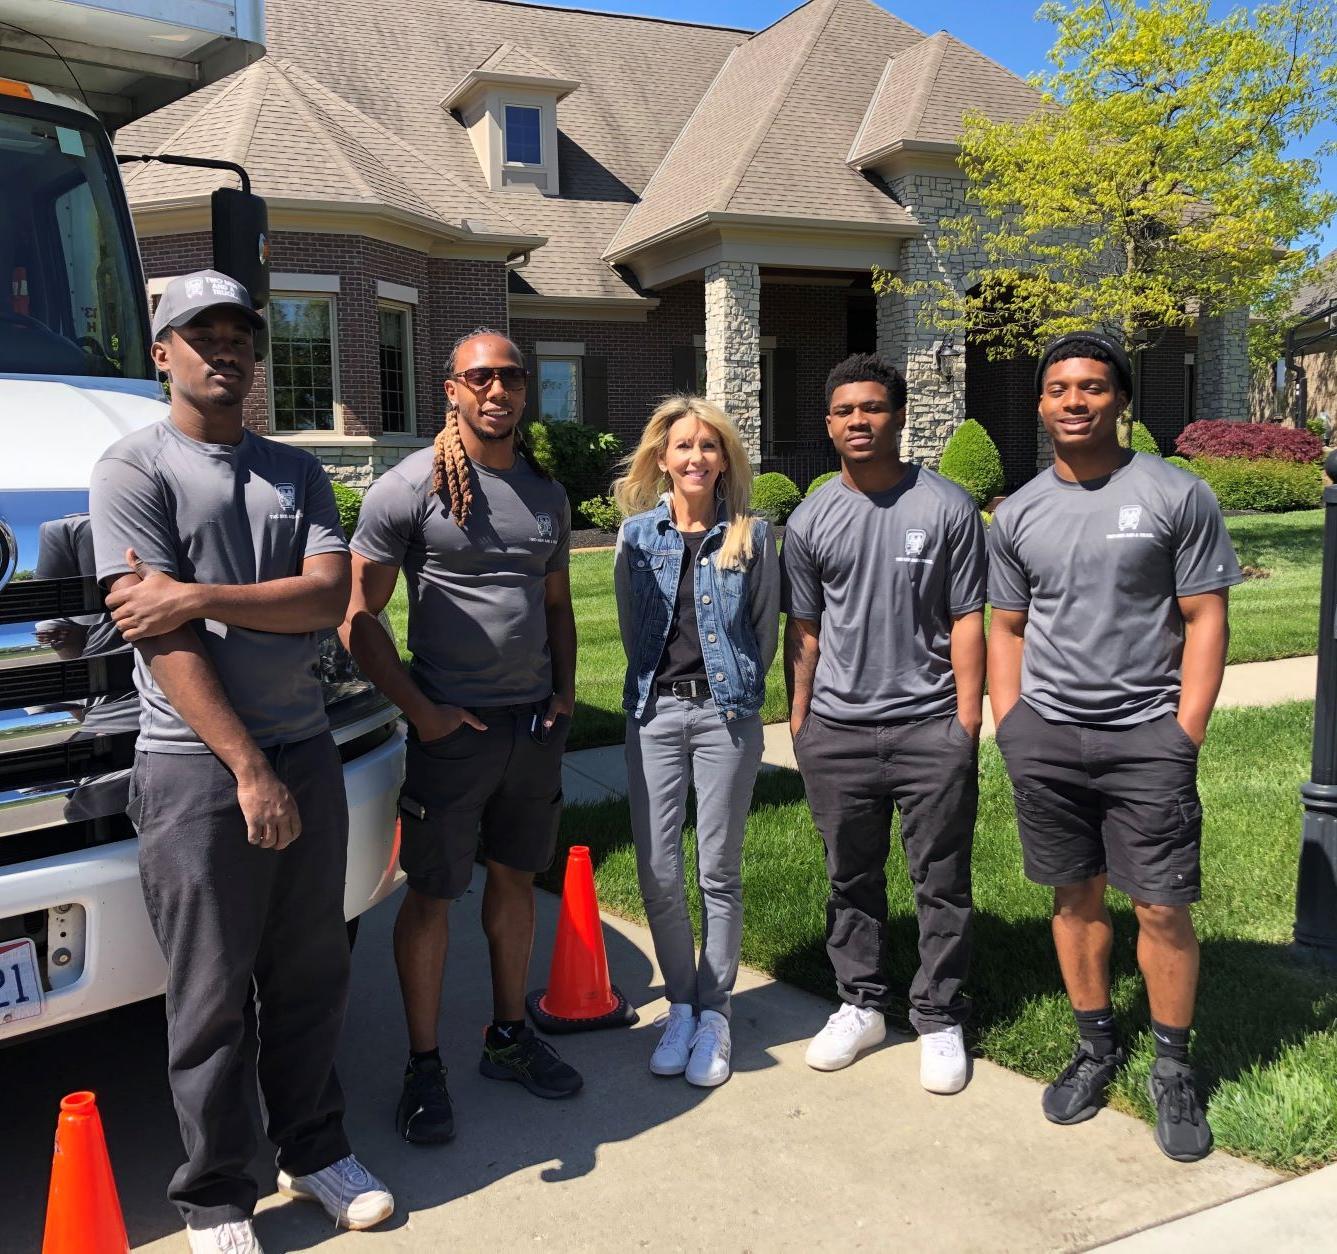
533,1062
1182,1131
424,1115
1080,1091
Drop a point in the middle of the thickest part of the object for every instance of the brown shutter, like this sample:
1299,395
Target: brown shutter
532,412
594,392
784,402
684,368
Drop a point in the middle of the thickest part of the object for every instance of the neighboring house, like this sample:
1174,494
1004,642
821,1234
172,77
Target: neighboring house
648,205
1272,397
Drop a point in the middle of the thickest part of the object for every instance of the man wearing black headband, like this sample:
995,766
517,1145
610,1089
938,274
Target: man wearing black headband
1109,576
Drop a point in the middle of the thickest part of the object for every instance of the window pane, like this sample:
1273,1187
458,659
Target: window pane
396,380
523,145
559,389
301,363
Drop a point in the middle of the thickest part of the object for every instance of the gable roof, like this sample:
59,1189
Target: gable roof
508,65
925,92
509,59
771,135
1315,297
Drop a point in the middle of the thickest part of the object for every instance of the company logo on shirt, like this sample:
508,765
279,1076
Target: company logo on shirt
545,526
287,494
916,541
1130,519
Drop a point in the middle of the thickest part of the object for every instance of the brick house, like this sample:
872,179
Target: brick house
647,205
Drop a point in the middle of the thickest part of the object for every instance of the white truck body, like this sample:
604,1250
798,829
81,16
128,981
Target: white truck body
74,377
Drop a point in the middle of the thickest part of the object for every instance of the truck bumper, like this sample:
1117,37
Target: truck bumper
95,919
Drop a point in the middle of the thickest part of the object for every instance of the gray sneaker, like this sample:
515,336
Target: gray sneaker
350,1194
1182,1131
1079,1090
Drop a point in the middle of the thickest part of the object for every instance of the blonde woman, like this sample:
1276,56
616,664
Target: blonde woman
698,599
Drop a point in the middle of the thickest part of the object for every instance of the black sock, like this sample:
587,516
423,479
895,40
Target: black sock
504,1031
1171,1042
1097,1027
424,1055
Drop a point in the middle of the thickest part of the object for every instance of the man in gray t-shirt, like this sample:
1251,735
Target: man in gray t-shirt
482,537
1108,576
884,574
224,560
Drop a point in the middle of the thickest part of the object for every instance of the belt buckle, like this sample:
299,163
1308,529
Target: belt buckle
685,689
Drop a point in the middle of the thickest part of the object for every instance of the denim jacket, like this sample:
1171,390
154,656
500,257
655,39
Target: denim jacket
737,611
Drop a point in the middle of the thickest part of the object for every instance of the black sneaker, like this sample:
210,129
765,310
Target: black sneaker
424,1115
533,1062
1080,1091
1182,1131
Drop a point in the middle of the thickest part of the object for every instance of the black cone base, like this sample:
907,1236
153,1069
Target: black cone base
623,1015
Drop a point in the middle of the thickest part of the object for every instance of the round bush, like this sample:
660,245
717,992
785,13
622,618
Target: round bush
1143,441
602,512
348,501
817,483
1316,426
1265,484
1182,462
971,459
774,497
1206,438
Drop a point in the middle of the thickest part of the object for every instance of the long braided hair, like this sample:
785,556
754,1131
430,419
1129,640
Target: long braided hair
451,475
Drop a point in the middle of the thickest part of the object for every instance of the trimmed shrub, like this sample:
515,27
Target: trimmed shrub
774,497
348,501
817,483
602,512
1143,441
1182,462
578,457
1316,426
1248,440
1266,484
971,459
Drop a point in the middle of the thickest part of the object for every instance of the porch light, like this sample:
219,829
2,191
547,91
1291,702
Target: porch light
944,351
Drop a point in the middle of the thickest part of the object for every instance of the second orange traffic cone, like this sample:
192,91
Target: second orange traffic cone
83,1213
579,996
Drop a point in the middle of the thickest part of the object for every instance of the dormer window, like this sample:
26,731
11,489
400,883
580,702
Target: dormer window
524,135
509,105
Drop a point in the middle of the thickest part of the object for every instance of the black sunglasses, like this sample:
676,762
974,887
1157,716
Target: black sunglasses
512,377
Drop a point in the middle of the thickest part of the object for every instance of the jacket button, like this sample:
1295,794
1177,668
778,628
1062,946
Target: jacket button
719,675
705,561
730,714
705,600
711,637
641,564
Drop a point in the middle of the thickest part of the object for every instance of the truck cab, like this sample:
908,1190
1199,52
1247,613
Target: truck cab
75,375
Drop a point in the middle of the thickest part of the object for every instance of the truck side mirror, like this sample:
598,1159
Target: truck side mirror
241,240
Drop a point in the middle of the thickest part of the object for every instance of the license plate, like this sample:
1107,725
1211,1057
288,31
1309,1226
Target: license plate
20,985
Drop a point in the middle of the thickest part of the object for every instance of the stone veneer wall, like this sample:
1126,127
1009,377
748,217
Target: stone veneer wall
733,344
1223,367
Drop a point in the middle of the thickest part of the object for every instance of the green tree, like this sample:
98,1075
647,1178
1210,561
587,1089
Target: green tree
1153,184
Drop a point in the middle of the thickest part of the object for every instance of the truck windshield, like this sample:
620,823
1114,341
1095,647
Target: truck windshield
71,292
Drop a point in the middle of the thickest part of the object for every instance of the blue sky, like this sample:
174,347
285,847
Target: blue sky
1005,30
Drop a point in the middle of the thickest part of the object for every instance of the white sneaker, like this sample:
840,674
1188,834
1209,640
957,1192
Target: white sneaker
675,1046
237,1237
942,1060
848,1032
350,1194
709,1064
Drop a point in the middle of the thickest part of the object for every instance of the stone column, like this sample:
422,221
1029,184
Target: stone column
1221,364
733,347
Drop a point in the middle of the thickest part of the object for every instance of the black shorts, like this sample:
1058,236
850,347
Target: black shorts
1093,800
499,784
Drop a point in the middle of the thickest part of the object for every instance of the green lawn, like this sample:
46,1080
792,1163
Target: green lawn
1266,1044
1271,617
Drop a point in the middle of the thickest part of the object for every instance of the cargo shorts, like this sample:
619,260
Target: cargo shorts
1098,800
500,788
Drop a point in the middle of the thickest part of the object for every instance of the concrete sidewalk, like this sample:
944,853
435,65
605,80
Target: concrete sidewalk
591,775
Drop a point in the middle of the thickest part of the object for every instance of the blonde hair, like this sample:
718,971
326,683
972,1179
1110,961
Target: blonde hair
642,483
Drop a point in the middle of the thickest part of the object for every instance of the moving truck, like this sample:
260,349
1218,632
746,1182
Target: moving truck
75,375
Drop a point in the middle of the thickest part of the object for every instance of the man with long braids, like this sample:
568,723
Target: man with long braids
482,535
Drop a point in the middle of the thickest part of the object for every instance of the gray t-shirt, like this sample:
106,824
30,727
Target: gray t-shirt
1098,567
240,513
477,627
885,574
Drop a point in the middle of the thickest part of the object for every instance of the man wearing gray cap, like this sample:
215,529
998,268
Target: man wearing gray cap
223,558
1109,575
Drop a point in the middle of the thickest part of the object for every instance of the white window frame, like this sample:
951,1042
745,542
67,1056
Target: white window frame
542,162
410,378
336,404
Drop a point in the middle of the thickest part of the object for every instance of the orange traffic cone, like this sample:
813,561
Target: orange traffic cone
83,1213
579,995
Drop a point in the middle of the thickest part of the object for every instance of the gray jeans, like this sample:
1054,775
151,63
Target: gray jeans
678,742
855,775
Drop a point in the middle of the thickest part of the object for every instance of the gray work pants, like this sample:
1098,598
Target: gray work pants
230,917
678,742
854,775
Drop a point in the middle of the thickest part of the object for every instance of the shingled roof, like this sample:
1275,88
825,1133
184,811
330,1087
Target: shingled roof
926,91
